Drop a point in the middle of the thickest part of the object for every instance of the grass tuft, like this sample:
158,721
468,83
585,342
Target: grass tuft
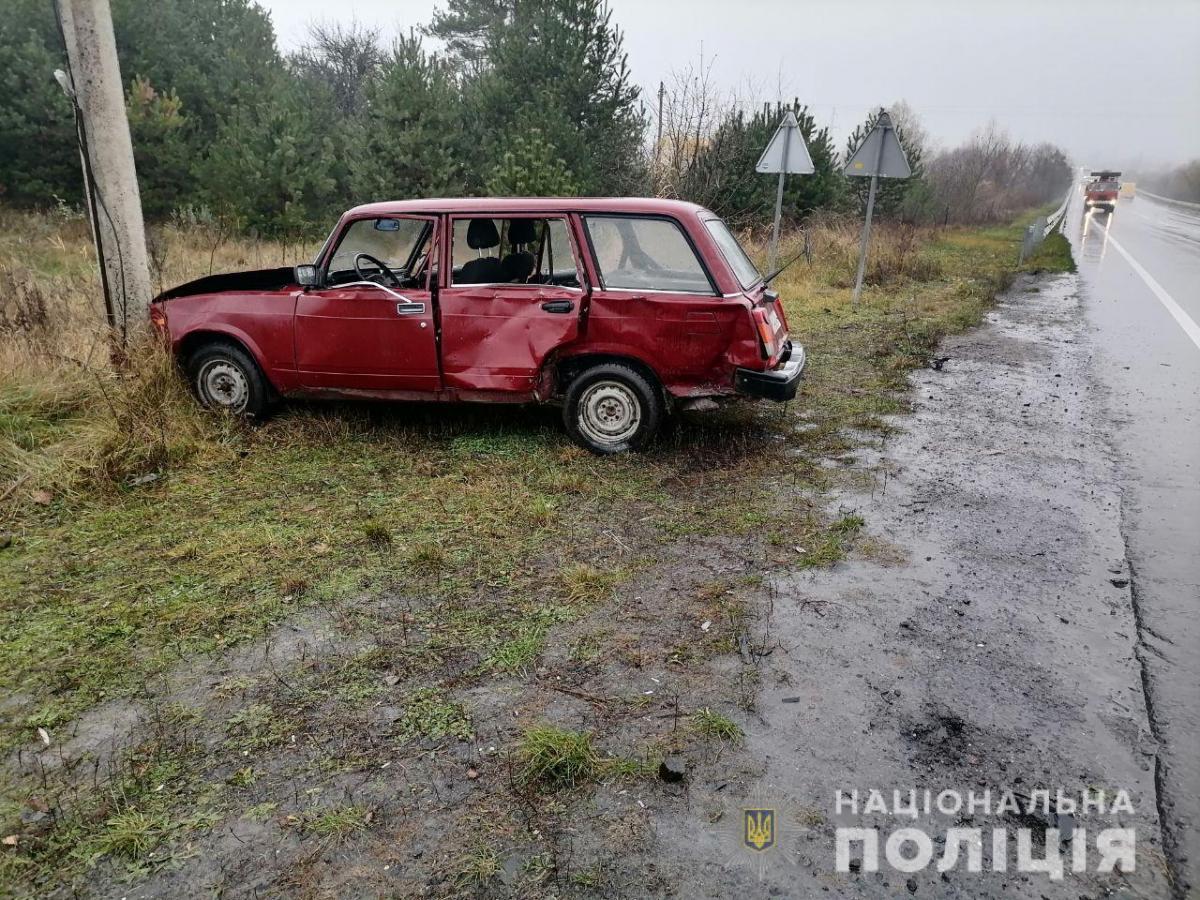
376,533
519,653
584,583
558,759
477,867
712,724
130,834
430,714
338,822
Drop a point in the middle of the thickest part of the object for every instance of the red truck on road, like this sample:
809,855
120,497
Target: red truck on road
620,309
1102,191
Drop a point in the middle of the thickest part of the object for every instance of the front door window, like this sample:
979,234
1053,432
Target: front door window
389,251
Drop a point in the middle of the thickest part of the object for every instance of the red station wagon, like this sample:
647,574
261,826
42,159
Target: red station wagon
622,309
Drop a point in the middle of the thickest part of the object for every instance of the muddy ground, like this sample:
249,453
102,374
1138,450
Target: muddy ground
994,649
981,637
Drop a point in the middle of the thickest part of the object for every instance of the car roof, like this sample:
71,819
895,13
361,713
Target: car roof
509,205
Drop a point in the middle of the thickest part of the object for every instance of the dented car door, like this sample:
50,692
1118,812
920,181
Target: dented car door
506,303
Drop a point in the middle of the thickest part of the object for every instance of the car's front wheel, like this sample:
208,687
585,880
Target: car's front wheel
611,408
226,378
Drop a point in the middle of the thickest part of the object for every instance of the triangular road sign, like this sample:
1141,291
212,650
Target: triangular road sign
788,136
892,164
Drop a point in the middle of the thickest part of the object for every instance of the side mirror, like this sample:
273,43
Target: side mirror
306,276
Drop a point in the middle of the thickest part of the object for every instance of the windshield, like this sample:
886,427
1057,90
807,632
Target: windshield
1102,186
746,272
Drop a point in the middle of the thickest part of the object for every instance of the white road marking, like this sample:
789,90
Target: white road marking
1190,328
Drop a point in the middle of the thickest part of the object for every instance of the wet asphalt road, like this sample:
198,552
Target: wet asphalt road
1140,283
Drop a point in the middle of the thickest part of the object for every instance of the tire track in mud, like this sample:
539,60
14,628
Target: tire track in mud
1166,818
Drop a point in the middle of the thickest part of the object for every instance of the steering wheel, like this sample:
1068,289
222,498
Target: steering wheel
383,269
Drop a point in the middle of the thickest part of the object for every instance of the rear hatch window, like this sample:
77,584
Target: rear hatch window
743,267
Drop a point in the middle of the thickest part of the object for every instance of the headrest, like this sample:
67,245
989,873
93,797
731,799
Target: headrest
522,231
482,234
517,266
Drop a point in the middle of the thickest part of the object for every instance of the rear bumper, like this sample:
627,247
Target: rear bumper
776,384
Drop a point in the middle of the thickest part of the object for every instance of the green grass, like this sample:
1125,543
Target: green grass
100,593
430,714
336,823
831,546
520,652
1052,255
130,833
477,867
557,758
712,724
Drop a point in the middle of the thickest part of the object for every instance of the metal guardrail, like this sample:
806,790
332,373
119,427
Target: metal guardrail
1055,219
1186,204
1043,227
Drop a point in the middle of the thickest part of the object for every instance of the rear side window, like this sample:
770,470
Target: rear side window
645,255
517,250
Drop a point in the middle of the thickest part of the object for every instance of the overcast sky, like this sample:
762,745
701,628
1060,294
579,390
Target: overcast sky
1111,81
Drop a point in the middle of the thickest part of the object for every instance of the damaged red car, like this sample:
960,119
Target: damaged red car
621,310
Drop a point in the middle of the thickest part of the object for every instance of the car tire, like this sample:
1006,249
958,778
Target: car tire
612,408
225,377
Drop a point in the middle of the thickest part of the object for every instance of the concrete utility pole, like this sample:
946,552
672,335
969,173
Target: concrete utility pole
95,78
662,89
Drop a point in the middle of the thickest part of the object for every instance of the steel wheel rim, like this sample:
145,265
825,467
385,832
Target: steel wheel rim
609,413
224,385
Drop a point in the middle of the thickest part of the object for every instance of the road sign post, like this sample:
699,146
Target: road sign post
786,152
879,156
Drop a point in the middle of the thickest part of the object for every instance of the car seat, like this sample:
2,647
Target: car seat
518,265
482,235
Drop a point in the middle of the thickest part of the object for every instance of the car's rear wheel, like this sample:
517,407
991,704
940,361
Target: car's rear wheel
226,378
611,408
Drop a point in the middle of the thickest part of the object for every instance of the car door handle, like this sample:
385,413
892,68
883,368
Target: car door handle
558,306
410,308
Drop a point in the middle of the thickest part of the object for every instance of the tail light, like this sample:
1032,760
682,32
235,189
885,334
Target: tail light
766,333
158,318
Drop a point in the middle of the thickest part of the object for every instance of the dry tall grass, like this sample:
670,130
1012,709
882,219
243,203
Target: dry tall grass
69,418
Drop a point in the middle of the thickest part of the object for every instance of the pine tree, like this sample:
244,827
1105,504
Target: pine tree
158,130
272,163
555,65
530,168
411,140
39,159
